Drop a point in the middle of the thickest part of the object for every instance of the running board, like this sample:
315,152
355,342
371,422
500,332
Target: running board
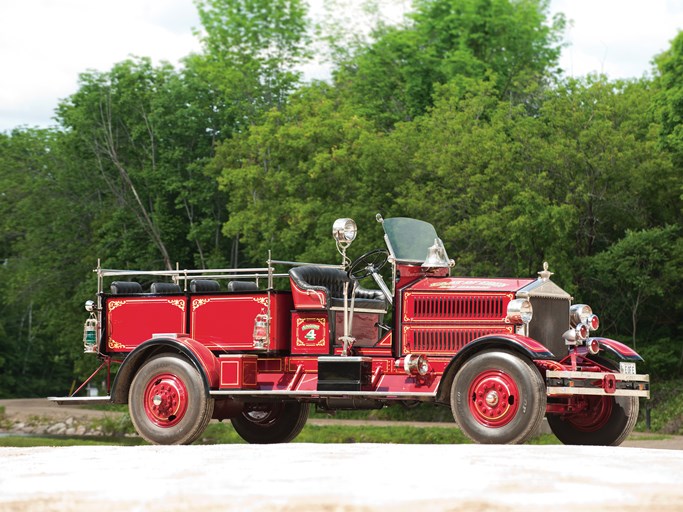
79,400
398,395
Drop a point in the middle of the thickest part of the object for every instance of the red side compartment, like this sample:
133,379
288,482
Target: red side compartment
227,321
238,371
131,321
310,332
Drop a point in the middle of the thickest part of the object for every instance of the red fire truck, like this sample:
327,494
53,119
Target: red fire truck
258,346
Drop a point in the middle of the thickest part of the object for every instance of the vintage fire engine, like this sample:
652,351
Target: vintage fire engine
230,344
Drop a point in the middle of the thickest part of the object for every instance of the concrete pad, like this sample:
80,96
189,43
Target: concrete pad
355,477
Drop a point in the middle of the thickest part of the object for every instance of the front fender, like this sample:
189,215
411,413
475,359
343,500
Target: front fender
201,357
517,343
618,349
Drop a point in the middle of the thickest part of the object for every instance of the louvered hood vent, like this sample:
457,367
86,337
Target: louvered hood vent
454,307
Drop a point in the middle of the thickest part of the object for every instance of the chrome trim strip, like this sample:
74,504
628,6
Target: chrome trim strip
552,391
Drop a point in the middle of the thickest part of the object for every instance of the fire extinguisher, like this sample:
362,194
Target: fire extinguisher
90,334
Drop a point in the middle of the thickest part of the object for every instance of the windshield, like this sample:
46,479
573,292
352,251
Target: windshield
409,240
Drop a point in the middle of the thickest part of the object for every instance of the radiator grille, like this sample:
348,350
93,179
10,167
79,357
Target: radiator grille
459,307
550,321
445,341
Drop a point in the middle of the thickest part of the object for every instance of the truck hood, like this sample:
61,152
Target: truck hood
523,288
471,284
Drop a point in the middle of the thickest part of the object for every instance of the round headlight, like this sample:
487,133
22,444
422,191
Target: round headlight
344,230
520,311
416,365
579,314
90,306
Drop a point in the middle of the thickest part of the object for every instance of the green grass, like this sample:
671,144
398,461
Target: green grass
223,433
31,441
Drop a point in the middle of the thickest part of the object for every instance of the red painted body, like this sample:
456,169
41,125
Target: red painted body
439,317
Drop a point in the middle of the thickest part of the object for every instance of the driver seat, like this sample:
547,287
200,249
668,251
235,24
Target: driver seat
315,287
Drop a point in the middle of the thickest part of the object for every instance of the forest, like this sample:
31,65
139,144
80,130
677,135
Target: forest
458,115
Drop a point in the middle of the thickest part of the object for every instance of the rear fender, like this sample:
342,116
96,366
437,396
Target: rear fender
617,349
522,345
201,357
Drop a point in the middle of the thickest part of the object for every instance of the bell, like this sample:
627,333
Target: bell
437,257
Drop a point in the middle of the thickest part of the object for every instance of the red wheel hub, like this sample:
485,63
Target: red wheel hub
165,400
494,398
595,414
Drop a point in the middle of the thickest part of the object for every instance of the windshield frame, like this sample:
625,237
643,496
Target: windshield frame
408,239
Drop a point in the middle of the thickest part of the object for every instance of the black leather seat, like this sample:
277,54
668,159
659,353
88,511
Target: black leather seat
331,281
204,285
159,288
242,286
125,287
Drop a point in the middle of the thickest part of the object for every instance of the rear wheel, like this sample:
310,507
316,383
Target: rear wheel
498,397
272,422
167,401
602,420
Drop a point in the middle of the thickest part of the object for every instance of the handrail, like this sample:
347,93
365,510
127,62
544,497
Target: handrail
184,275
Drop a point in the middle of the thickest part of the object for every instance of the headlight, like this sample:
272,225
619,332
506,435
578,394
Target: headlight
520,311
90,306
416,365
580,314
344,230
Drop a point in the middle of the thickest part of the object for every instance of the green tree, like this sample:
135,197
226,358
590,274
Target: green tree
667,107
641,273
44,236
511,43
252,52
145,130
291,176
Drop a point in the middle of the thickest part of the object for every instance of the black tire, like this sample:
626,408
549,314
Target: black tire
273,422
167,401
608,421
498,398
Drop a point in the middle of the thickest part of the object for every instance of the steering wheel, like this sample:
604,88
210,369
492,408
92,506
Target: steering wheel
369,263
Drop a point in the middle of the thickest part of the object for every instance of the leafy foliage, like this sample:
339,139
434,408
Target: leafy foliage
458,115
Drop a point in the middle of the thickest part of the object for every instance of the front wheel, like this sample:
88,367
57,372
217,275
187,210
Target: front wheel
601,421
498,398
167,401
272,422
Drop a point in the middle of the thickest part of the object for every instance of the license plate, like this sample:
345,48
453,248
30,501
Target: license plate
627,368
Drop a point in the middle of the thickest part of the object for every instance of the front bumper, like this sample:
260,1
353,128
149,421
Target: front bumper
562,383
